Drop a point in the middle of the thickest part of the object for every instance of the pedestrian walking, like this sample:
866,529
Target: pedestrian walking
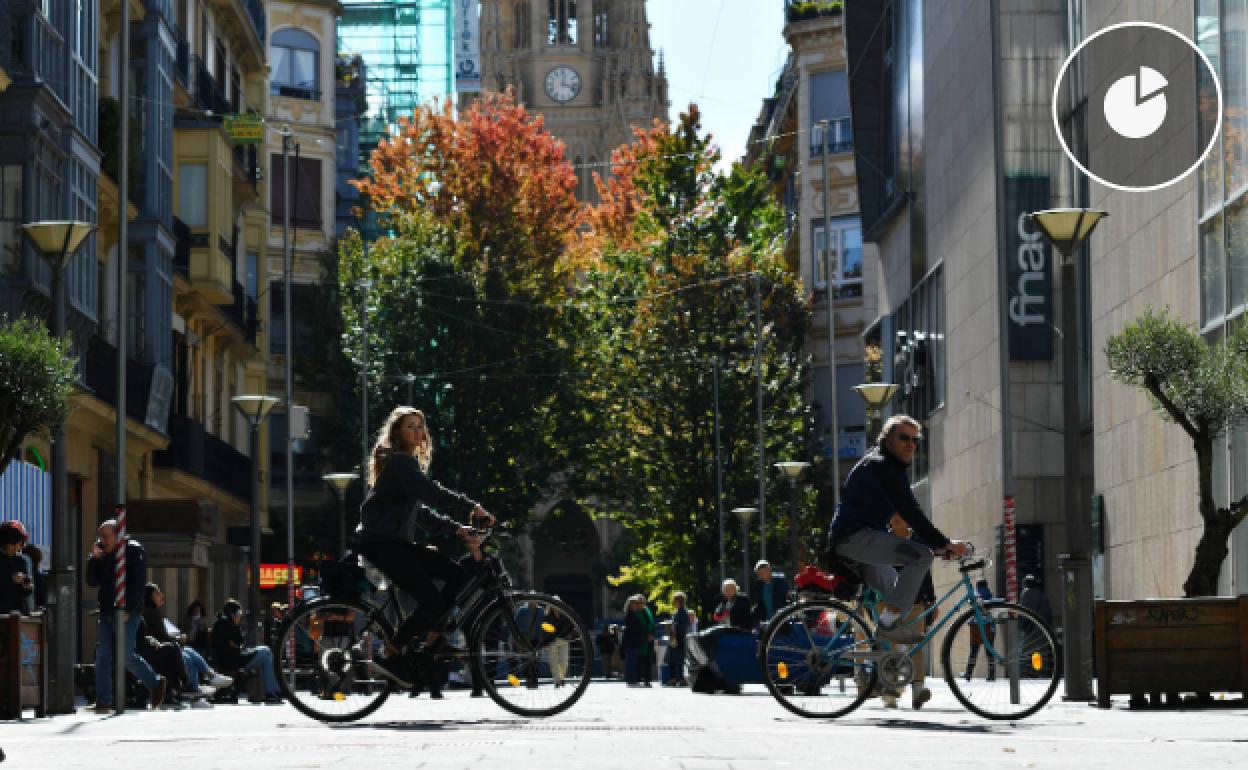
608,648
100,573
678,641
558,648
638,641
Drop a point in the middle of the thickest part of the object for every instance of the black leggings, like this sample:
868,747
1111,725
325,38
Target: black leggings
414,569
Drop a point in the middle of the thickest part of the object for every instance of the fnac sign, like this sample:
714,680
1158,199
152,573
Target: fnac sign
273,575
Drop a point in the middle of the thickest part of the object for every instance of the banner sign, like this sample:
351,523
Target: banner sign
467,47
272,575
245,129
1029,271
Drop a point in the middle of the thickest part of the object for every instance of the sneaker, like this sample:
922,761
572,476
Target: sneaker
898,633
220,680
172,705
158,693
890,700
200,703
393,669
920,696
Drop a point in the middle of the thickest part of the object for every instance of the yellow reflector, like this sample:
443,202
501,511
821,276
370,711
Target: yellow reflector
340,696
1036,662
513,680
782,670
548,628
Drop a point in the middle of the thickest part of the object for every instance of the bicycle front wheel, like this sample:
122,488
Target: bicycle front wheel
1003,664
322,660
815,657
533,654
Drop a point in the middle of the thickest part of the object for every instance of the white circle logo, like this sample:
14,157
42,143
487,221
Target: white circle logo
1134,106
1135,143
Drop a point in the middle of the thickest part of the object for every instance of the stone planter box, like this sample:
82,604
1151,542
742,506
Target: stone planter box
1151,646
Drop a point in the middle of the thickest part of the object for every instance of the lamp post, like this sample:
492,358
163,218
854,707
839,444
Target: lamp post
288,358
745,515
1067,229
340,482
255,409
410,379
56,241
829,284
875,395
364,285
792,470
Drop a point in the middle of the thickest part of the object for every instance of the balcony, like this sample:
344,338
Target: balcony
208,93
31,49
840,137
805,10
195,451
243,313
101,378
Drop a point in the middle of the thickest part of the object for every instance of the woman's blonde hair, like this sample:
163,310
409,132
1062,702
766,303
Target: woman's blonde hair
388,442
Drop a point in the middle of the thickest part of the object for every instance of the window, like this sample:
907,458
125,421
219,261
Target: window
193,194
10,218
294,55
919,346
829,100
561,22
524,25
305,188
253,275
845,256
602,30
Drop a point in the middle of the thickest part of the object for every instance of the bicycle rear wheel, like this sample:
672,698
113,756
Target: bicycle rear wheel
533,654
811,655
1017,676
322,660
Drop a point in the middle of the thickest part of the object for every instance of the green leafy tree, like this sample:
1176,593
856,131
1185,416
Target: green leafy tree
36,379
1203,389
680,255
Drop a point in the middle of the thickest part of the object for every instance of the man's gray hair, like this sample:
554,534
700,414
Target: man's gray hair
891,425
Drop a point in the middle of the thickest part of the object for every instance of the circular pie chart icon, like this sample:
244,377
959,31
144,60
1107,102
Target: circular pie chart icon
1135,106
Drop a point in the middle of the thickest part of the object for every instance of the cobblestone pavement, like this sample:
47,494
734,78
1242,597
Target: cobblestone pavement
617,727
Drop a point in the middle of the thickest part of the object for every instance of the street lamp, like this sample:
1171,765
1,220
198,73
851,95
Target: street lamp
791,471
745,515
410,379
255,409
56,241
876,395
1067,229
340,482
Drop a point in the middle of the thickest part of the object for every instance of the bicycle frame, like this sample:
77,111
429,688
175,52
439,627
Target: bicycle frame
969,597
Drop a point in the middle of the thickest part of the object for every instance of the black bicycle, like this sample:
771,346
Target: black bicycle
529,651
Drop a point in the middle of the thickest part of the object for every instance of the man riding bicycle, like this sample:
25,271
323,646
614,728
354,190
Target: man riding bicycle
875,489
396,505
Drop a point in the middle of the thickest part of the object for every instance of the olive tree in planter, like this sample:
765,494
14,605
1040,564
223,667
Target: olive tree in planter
36,377
1203,389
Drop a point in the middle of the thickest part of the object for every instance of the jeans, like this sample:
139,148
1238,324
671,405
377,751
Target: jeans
676,663
196,667
261,659
105,660
880,553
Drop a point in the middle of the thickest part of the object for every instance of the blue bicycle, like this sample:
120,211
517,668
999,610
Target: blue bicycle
820,657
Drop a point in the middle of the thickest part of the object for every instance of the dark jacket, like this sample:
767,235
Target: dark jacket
876,488
638,626
100,573
680,626
227,644
13,596
779,598
736,611
154,619
397,503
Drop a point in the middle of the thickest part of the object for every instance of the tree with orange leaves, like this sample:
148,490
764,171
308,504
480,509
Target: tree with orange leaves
465,300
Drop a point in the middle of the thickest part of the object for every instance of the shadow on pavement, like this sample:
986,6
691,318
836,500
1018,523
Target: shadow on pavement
429,725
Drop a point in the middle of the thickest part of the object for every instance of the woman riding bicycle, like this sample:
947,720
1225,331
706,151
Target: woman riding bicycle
397,503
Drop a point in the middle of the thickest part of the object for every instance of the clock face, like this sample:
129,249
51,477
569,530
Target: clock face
563,84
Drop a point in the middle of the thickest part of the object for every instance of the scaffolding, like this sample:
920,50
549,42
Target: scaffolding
408,53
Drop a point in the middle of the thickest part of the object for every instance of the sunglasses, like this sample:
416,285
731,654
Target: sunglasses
908,439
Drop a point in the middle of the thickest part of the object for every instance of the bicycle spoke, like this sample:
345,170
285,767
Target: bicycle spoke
1003,667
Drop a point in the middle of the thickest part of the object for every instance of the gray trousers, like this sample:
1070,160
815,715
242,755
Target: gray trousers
892,565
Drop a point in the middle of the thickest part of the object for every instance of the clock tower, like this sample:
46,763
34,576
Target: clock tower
586,66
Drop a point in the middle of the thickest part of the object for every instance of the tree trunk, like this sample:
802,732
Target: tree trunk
1211,551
